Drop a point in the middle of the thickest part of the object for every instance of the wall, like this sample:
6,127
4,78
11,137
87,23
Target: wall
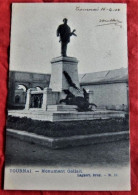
108,94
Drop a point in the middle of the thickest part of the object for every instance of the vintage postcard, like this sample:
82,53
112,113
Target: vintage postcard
68,105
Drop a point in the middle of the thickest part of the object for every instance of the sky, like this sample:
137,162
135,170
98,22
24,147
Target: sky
101,42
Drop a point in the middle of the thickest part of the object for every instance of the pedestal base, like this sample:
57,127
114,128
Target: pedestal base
66,116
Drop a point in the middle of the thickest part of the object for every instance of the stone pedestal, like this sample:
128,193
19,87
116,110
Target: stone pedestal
58,81
64,76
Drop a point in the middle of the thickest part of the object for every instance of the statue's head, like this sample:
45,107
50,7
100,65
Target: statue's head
65,20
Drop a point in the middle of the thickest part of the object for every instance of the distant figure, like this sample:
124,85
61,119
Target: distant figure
64,32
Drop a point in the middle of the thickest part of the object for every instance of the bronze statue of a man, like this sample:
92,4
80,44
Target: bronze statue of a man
64,32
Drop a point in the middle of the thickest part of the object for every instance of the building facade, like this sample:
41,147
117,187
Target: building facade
108,89
20,82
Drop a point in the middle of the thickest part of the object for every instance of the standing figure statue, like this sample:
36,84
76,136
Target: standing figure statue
64,32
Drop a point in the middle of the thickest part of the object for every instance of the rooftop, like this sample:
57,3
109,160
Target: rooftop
109,76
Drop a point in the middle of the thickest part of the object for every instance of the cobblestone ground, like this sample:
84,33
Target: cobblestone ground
106,154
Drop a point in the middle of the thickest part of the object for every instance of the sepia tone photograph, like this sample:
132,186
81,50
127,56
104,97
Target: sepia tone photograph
68,98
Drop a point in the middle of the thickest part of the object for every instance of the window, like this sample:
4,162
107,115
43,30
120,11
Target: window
17,99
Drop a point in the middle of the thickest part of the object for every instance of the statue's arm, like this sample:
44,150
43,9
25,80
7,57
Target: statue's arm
72,33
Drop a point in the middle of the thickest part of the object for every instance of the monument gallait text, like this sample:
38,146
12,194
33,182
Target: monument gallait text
63,100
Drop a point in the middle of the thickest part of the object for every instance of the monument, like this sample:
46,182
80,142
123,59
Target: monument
64,80
63,100
65,69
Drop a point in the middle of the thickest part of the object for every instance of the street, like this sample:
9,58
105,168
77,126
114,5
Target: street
107,154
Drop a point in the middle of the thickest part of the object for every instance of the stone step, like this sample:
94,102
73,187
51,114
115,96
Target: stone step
67,116
61,108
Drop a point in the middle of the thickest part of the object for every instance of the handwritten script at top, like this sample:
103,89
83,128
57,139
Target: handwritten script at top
79,8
